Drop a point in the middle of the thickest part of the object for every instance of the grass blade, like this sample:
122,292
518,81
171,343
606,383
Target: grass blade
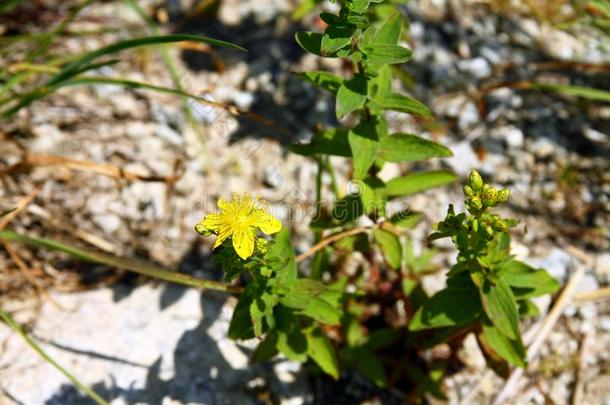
11,323
132,265
69,70
578,91
85,62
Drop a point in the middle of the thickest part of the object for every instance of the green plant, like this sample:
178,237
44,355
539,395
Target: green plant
487,289
375,316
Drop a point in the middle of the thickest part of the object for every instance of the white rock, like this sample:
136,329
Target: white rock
109,222
602,267
512,135
464,158
543,148
478,68
556,263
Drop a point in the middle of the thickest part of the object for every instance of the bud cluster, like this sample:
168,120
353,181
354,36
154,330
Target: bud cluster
480,196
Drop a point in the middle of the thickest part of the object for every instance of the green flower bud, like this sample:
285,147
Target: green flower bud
475,180
499,225
468,191
489,195
489,231
475,203
503,195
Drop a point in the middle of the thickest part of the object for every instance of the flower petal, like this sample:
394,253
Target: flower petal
265,221
223,234
243,242
213,222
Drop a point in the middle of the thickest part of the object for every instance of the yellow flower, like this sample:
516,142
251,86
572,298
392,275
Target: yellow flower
238,219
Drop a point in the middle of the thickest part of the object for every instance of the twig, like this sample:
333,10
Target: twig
105,169
547,325
21,332
23,203
586,296
81,234
24,269
327,241
581,371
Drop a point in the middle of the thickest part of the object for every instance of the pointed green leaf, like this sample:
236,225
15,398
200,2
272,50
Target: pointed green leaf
332,142
322,311
323,80
367,363
387,54
373,196
456,305
351,95
501,307
335,38
266,349
364,143
389,32
512,350
310,41
526,281
401,103
291,341
390,246
322,352
407,147
416,182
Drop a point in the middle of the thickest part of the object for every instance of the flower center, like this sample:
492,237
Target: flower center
243,219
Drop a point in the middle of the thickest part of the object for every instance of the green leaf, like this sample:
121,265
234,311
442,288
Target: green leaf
335,38
322,311
456,305
389,32
351,95
526,281
406,219
527,309
310,41
367,363
261,309
241,322
304,8
360,6
266,349
291,341
322,352
407,147
512,350
390,246
387,54
280,257
323,80
414,183
381,84
501,308
297,293
373,196
364,143
401,103
332,142
347,209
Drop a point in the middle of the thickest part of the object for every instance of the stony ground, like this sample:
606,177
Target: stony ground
139,342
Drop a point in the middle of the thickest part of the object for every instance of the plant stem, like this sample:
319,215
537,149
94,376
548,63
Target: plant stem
11,323
119,262
332,238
